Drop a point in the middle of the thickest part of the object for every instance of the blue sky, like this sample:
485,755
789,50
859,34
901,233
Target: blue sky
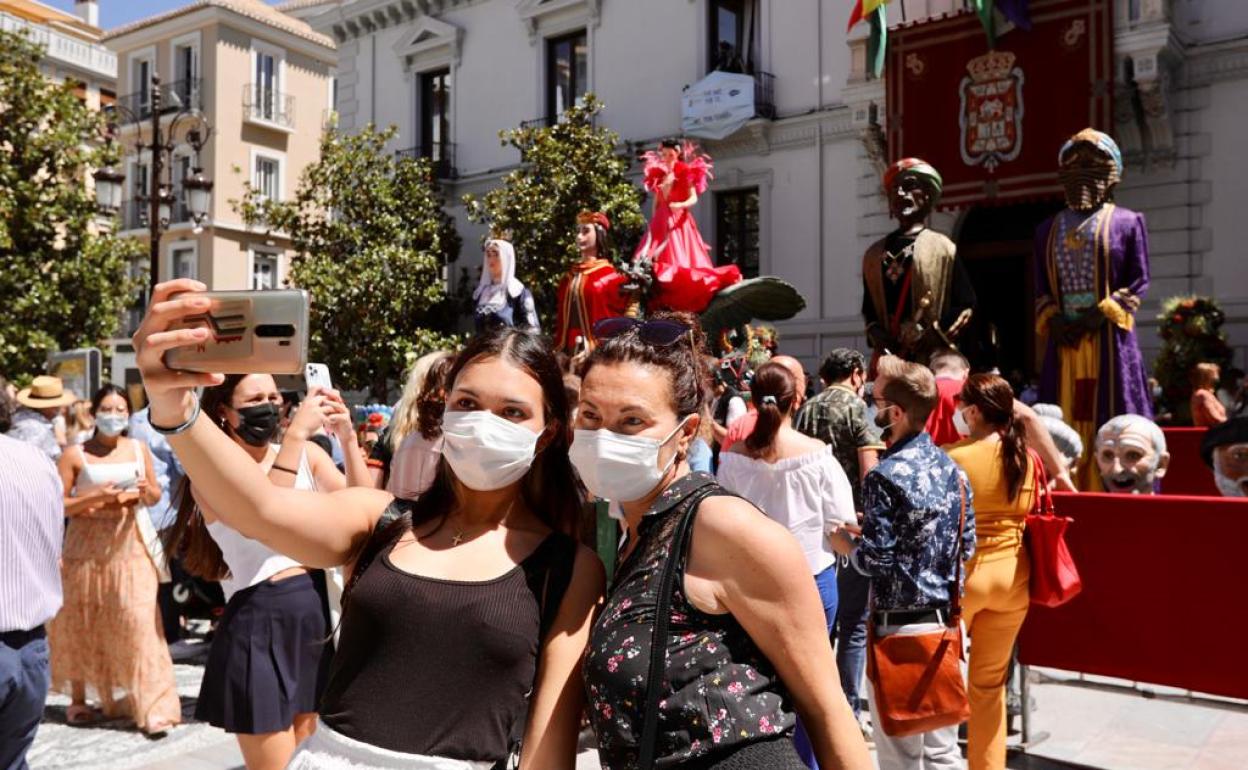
114,13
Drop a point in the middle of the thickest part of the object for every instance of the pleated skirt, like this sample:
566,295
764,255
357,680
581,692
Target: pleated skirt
269,658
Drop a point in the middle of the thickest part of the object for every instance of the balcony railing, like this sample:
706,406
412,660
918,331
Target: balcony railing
174,96
134,213
92,57
547,122
765,95
441,156
267,105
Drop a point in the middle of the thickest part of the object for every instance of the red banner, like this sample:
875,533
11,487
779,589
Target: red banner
992,121
1162,598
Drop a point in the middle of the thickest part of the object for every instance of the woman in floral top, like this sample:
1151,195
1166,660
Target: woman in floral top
746,648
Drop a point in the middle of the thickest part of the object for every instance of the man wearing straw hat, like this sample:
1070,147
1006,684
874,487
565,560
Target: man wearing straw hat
40,403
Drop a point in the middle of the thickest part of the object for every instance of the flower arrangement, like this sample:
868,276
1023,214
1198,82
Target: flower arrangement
1190,334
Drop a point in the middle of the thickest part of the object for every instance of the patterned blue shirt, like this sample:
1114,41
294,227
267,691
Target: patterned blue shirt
912,503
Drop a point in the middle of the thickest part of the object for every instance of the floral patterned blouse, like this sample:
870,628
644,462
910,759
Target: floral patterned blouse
719,691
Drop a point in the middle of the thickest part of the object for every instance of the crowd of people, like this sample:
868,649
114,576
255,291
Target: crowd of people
408,590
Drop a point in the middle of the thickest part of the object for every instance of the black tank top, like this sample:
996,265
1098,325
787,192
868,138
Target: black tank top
443,667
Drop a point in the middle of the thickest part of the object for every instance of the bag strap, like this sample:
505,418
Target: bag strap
559,559
1043,505
658,637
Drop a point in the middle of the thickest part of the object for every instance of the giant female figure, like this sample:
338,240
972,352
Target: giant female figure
685,276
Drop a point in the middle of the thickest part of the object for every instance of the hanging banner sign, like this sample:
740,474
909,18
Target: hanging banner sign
717,105
992,121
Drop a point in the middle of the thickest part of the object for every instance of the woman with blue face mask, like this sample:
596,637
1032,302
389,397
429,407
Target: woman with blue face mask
712,639
106,642
464,609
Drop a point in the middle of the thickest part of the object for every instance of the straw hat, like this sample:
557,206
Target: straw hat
44,393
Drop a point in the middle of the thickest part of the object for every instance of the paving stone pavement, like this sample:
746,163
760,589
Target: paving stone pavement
1091,723
118,745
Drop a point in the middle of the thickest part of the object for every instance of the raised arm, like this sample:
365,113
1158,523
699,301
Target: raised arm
555,711
763,580
318,409
313,528
1038,438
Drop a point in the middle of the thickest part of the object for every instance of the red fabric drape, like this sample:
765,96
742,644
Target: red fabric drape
1187,474
1162,598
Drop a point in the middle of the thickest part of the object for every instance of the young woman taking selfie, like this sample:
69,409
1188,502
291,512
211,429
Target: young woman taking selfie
453,615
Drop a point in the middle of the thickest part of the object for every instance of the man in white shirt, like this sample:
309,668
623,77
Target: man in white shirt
41,403
31,530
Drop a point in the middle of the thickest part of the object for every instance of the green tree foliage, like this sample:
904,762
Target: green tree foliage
565,168
1191,333
372,240
63,284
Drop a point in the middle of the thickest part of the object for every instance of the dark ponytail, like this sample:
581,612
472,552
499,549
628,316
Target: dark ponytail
995,399
774,392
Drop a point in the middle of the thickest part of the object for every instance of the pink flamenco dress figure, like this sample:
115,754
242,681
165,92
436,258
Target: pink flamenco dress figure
685,277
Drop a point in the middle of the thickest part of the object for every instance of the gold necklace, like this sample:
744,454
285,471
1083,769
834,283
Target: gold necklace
460,534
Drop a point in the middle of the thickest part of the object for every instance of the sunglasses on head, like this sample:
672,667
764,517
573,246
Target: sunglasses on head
659,331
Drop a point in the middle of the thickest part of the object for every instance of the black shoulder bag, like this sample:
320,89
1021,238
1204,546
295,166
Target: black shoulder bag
658,639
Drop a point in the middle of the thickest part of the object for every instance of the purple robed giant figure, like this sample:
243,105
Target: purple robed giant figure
1091,275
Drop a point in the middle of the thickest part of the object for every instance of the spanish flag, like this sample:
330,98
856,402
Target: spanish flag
862,10
877,43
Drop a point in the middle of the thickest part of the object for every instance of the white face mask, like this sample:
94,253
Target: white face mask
618,467
111,424
960,424
485,451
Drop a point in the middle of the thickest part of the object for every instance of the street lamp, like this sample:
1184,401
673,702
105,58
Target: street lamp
108,189
197,188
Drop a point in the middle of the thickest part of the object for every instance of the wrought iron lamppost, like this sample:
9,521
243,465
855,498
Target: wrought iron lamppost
195,130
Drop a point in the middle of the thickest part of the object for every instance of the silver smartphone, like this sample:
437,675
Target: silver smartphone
317,375
264,331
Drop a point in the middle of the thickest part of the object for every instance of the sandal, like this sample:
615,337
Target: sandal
80,714
157,731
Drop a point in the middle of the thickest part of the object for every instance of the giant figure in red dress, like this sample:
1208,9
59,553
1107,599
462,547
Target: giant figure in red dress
685,276
590,290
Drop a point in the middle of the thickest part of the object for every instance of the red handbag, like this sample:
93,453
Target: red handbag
1054,577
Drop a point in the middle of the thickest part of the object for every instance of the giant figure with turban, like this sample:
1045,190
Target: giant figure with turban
1091,275
917,297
